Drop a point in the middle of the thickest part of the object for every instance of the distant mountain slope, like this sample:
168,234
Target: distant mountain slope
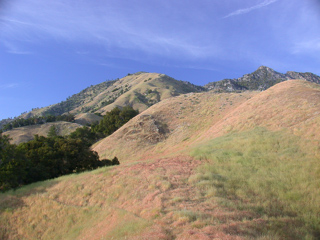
261,79
140,90
72,102
25,134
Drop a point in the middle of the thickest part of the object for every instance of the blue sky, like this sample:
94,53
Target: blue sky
50,50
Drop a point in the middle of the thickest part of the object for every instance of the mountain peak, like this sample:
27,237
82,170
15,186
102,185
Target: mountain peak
261,79
264,67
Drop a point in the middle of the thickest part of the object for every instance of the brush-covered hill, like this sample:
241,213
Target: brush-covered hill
197,166
139,90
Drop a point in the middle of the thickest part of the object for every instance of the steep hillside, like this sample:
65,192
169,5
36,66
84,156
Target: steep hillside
170,125
261,79
72,102
175,123
25,134
293,105
140,90
197,166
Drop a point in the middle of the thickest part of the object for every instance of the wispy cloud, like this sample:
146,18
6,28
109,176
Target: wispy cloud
249,9
15,49
9,86
110,24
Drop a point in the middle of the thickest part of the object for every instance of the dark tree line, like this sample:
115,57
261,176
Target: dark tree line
44,158
114,119
111,122
53,156
21,122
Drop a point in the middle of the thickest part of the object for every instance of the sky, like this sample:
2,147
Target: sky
50,50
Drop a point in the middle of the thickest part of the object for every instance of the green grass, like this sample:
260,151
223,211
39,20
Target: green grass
273,174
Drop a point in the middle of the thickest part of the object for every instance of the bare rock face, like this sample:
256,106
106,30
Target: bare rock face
306,76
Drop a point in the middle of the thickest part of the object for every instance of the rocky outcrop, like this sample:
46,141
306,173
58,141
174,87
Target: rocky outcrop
261,79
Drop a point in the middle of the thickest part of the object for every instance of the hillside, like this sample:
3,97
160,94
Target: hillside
170,125
139,90
197,166
195,116
25,134
72,102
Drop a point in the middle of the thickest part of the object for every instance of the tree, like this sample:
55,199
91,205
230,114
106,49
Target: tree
12,165
114,119
115,161
53,132
85,134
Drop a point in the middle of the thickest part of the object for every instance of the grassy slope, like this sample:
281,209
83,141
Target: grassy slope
87,118
24,134
169,126
273,175
144,90
258,180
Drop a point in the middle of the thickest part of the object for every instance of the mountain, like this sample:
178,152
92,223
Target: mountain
261,79
140,90
206,165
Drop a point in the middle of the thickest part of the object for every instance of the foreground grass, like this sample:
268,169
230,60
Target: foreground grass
69,207
275,175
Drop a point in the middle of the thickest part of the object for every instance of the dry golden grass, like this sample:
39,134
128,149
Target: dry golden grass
24,134
159,192
169,126
87,118
293,105
137,90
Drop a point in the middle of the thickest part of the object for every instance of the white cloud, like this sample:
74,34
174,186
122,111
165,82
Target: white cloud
249,9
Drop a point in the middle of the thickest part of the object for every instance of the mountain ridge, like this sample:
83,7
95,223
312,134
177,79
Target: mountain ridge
141,90
261,79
